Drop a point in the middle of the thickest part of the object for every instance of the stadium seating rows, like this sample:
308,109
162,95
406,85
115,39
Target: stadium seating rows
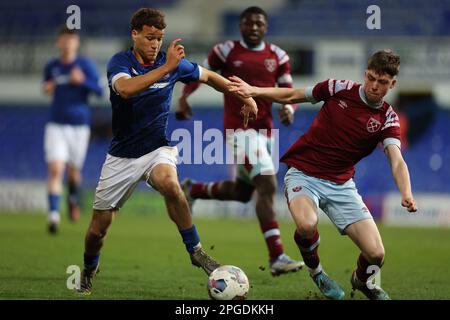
348,18
99,18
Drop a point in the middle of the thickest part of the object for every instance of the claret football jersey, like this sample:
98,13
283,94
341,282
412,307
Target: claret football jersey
264,66
346,129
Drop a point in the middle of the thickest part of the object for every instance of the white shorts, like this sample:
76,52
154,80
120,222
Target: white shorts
68,143
340,202
253,151
120,176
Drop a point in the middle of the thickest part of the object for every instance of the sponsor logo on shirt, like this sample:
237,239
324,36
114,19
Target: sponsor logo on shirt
238,63
296,189
159,85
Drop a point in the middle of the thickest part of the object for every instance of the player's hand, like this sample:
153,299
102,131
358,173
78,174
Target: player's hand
76,76
249,111
409,203
240,87
183,110
175,53
49,87
286,113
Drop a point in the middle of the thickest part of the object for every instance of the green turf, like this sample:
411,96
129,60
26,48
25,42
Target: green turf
144,258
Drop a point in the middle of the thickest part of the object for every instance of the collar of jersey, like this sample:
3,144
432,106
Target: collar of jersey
140,65
259,47
362,95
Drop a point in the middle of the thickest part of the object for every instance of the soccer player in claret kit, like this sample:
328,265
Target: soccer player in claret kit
262,64
353,120
70,79
141,82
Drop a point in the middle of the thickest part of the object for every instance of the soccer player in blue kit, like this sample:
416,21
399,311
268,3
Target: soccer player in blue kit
141,82
70,79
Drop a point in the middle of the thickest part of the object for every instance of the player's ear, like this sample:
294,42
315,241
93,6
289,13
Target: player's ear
134,34
393,83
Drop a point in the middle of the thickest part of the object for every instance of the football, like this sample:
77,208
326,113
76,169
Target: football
228,283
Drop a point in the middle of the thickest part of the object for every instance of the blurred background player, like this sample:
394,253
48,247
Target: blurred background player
352,122
70,79
141,81
261,64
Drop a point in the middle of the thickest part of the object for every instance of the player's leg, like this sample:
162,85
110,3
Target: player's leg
279,262
303,206
54,187
236,190
93,243
78,138
365,235
240,189
117,182
73,199
56,156
163,177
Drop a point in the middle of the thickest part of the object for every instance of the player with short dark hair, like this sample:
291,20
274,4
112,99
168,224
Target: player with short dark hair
353,120
70,79
141,81
263,64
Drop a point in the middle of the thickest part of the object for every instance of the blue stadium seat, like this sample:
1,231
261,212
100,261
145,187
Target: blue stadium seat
348,18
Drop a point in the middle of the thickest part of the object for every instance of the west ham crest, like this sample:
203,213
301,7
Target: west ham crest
373,125
270,64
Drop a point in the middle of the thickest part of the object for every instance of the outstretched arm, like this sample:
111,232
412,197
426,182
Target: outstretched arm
401,176
280,95
249,110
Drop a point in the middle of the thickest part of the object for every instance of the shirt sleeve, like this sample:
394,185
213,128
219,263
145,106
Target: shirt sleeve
47,72
326,89
217,58
188,71
117,67
390,131
92,81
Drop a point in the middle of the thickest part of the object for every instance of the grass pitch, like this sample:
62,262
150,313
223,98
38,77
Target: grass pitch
144,258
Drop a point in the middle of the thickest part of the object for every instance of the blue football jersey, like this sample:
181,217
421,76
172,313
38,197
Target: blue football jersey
70,102
139,123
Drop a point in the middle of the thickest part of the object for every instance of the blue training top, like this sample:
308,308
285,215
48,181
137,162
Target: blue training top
69,104
139,123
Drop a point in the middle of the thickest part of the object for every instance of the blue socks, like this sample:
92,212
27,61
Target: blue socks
90,262
191,239
74,193
53,202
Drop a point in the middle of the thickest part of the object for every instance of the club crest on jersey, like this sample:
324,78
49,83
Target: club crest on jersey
270,64
296,189
373,125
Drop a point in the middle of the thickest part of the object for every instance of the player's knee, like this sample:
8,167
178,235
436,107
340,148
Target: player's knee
100,223
55,173
98,231
169,188
307,228
376,256
267,187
